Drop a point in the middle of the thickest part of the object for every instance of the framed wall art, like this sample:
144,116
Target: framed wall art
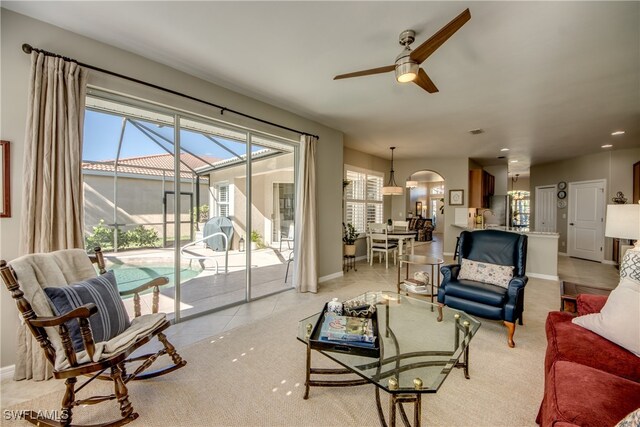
456,197
5,180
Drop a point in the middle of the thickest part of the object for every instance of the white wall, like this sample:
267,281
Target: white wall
16,29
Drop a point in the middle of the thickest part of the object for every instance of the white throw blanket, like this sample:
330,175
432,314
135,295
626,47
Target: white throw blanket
55,269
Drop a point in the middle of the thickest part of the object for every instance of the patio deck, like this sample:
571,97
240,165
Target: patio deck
208,290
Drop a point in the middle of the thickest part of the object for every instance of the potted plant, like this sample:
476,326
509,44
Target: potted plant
349,236
256,239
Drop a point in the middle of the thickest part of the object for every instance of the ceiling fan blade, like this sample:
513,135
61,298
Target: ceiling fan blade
425,82
425,50
366,72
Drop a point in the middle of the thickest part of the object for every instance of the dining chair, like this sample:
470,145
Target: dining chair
373,227
380,243
401,225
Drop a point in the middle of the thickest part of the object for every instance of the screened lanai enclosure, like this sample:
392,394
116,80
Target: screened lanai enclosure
209,205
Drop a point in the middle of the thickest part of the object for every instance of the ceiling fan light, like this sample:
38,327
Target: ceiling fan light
406,70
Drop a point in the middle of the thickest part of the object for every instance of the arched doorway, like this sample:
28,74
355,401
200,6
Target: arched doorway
425,198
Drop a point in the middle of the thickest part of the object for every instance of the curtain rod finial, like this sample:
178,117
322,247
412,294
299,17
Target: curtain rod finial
26,48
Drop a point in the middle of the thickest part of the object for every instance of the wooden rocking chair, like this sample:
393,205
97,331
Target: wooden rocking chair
52,333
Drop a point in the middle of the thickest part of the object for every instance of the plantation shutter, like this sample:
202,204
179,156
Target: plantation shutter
363,198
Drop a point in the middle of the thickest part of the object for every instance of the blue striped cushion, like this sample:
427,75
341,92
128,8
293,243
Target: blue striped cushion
111,318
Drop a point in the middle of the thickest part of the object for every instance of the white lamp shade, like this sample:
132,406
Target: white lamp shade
623,221
392,191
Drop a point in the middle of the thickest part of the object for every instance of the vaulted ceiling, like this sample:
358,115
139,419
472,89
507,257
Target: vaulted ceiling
548,80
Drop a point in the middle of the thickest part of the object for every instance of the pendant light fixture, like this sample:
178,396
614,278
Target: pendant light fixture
392,189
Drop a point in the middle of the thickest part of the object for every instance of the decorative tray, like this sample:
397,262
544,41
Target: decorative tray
348,347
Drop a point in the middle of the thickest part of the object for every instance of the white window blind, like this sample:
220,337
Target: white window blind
222,200
363,197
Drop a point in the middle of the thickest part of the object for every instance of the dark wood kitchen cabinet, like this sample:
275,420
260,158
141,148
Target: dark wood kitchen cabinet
481,187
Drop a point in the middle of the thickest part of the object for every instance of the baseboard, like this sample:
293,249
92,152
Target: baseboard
6,372
543,276
609,262
330,276
563,254
447,253
360,258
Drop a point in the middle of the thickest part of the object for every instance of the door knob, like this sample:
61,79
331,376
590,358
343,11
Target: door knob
571,223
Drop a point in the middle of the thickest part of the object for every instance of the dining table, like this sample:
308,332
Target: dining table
400,236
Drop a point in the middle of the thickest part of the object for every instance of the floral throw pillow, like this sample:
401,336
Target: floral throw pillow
487,273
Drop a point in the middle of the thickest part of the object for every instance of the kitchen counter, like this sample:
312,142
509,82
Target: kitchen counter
519,230
542,249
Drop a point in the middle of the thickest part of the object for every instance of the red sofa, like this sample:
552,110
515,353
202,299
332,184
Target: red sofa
589,381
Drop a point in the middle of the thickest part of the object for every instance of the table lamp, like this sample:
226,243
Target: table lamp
623,222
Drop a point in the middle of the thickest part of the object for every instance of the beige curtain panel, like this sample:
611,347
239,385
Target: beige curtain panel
305,272
52,190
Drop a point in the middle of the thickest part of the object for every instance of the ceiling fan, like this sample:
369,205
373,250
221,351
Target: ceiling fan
407,66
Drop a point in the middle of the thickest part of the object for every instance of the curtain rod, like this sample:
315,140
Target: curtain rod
27,48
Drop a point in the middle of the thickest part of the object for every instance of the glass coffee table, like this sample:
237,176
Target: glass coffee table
417,352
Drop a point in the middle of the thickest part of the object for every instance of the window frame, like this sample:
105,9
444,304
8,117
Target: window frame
218,203
365,201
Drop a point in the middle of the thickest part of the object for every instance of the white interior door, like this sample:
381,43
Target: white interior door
546,208
586,219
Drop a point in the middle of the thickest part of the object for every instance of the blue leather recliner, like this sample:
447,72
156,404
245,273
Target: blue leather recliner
484,299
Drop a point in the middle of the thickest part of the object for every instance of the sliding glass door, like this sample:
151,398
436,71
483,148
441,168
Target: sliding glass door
209,205
272,215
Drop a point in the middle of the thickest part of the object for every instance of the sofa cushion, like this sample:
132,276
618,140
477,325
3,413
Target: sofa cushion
580,395
484,293
567,341
486,272
619,319
111,318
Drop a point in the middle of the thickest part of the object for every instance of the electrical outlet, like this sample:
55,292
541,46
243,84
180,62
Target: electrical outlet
400,215
564,216
562,243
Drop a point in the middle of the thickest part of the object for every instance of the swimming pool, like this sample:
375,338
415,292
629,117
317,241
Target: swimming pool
130,275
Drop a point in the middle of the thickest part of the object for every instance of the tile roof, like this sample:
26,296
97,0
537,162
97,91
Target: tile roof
155,165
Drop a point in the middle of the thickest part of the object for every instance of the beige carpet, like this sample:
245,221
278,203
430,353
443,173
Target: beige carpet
254,375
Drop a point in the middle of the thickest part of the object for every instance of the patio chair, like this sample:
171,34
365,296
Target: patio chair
289,261
287,237
77,342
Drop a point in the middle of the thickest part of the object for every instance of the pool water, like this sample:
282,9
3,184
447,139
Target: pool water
130,276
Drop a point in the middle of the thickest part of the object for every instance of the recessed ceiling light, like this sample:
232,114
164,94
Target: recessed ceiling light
607,146
514,161
504,149
618,132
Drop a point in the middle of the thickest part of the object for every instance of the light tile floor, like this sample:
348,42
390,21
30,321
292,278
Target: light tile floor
194,330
